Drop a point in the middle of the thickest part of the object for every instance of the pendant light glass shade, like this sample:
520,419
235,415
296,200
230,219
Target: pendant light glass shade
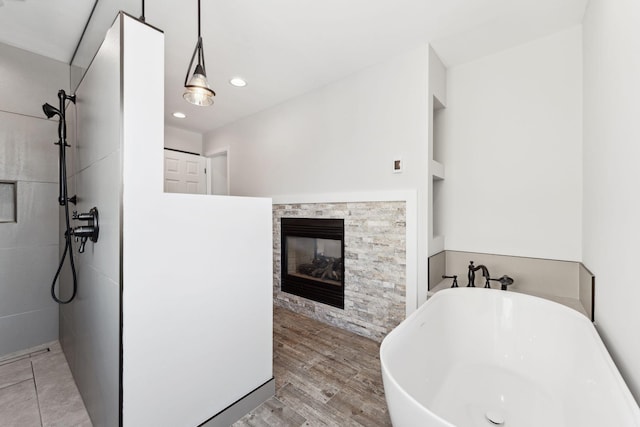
197,89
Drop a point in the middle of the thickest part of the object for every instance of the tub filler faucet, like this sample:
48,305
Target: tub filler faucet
504,280
472,275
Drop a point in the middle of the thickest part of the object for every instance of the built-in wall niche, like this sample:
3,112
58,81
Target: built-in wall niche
8,201
438,116
437,172
438,229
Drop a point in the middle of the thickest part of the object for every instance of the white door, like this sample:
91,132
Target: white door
184,173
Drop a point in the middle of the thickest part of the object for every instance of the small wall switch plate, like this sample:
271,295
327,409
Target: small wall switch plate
398,165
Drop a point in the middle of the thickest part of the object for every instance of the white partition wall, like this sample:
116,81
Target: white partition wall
196,271
172,322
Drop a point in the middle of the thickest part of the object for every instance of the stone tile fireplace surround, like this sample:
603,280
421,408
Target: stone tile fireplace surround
375,265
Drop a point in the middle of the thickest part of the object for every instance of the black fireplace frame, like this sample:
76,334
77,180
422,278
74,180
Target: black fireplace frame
316,290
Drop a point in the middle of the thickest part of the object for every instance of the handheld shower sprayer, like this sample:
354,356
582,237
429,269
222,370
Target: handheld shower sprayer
49,110
84,232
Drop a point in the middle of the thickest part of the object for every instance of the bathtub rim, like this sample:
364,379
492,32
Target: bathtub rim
629,400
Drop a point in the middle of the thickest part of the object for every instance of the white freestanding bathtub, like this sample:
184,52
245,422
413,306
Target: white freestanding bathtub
472,357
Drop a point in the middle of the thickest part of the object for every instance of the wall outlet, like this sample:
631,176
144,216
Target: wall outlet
398,165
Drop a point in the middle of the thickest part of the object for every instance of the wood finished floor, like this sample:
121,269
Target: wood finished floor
325,376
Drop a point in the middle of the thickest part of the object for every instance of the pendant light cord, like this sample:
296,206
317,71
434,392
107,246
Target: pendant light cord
200,49
199,37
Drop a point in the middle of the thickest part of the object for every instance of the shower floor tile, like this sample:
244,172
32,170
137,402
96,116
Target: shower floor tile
37,389
15,372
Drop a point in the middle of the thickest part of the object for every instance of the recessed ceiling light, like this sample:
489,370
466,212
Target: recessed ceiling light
238,82
179,115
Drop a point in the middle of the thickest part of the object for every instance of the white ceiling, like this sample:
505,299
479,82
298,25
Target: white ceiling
47,27
284,48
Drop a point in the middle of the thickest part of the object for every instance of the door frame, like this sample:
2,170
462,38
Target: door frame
223,151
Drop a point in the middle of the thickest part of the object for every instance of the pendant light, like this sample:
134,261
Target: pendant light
197,90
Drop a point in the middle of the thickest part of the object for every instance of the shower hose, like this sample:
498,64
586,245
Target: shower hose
67,237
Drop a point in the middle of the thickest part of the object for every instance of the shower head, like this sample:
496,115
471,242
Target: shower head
50,111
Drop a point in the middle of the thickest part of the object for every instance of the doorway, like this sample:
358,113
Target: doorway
219,172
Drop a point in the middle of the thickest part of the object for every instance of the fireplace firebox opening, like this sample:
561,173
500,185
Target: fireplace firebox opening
313,259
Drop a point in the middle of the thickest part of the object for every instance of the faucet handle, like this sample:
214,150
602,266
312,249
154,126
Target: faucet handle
471,275
83,242
455,280
504,282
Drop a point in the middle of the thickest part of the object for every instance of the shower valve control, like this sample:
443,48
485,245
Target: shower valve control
89,231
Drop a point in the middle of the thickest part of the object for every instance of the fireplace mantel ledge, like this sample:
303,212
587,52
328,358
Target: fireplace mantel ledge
409,196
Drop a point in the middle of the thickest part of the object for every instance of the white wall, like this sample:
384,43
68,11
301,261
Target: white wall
29,247
183,140
196,273
340,138
611,175
510,139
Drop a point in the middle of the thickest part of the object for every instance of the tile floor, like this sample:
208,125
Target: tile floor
325,376
37,390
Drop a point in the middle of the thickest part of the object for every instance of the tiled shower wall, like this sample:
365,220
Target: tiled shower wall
90,325
29,246
375,265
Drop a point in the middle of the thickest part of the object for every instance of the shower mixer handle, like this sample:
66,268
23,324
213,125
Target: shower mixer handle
91,231
84,231
87,216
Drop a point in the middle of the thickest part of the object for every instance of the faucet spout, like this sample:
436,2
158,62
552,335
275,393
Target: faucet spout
472,275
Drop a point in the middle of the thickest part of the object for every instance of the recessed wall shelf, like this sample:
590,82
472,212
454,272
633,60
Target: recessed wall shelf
437,170
8,201
436,219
